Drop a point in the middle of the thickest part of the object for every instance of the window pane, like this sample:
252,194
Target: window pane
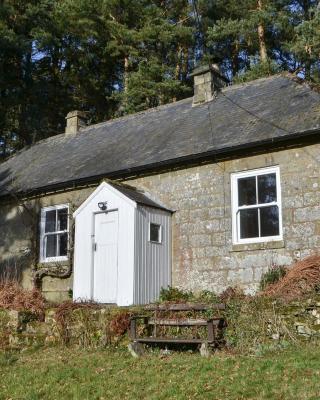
155,233
62,219
51,246
63,244
249,223
50,221
247,191
267,188
269,219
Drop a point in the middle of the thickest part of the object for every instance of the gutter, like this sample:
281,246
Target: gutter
176,162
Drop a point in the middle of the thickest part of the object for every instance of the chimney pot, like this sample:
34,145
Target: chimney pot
208,81
75,121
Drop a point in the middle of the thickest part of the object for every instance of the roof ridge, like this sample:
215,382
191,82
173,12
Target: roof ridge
244,84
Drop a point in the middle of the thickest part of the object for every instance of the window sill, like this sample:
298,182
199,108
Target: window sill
52,263
274,244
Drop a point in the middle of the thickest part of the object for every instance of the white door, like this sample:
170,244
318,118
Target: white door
105,265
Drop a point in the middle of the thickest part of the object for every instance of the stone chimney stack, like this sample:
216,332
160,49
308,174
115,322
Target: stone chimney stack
208,82
75,121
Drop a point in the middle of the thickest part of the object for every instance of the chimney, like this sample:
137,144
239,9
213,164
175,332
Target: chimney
208,82
75,121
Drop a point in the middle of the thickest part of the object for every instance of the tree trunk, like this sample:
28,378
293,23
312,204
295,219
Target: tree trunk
126,74
178,68
261,37
235,58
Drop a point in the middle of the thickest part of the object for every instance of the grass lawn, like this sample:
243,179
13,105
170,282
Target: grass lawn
114,374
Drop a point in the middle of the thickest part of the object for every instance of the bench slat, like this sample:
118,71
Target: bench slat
182,322
185,307
173,340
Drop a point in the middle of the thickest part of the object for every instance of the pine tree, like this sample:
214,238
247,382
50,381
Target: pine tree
248,33
112,57
305,43
160,64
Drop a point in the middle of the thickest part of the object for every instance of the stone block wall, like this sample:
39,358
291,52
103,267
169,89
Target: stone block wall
204,256
278,323
19,242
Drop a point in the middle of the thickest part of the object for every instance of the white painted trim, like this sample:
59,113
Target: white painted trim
235,208
43,259
102,186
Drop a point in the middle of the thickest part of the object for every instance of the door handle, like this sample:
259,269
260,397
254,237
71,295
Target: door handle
94,246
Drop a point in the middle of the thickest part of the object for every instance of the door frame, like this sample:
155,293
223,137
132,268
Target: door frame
93,226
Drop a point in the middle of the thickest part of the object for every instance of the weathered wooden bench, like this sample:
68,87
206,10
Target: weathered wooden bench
152,323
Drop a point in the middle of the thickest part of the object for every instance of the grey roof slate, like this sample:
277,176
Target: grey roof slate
138,196
242,115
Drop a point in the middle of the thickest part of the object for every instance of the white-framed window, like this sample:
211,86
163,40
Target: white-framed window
155,233
54,233
256,206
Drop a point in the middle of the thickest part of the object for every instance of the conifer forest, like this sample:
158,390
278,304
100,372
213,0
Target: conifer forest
115,57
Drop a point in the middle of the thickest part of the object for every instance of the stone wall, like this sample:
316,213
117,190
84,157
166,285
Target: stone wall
203,254
19,242
84,327
258,323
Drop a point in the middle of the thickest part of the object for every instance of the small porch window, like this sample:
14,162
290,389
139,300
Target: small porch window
54,233
256,206
155,233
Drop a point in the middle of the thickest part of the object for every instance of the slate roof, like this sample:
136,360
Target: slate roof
260,111
138,196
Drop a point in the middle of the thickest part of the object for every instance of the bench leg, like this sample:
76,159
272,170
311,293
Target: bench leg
136,349
133,329
211,335
205,350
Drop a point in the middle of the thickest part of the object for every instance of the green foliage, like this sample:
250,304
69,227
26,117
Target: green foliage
207,297
256,71
114,57
175,294
274,274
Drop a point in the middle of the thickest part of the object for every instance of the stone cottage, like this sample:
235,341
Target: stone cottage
204,193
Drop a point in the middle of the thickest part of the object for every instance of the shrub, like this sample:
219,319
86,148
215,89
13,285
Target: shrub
14,297
90,325
175,294
75,322
273,275
120,323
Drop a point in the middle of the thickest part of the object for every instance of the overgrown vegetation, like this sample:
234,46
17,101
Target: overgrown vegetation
89,325
285,313
273,275
177,295
14,297
302,279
